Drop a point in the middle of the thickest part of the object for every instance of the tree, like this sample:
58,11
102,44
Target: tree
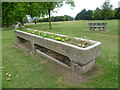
67,18
84,15
107,11
36,9
20,11
97,14
7,13
50,6
117,13
17,11
13,12
0,15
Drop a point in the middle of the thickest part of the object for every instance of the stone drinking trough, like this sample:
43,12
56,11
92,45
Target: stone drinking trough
77,58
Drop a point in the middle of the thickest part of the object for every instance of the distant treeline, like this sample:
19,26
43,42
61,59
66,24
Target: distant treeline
103,13
98,14
56,18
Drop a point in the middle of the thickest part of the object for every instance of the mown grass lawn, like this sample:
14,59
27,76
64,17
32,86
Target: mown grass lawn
28,71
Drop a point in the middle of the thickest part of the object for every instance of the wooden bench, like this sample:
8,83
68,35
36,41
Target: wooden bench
93,26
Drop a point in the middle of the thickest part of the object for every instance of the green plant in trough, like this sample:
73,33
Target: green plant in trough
79,43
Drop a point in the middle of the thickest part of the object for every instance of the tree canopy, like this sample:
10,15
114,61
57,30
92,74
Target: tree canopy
117,13
84,15
107,11
16,11
97,14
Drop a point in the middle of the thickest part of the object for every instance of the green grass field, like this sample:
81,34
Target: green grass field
28,71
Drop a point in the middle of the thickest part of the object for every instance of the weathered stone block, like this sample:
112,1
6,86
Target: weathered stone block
82,69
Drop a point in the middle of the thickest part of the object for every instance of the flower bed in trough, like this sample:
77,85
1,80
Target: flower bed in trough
75,53
71,40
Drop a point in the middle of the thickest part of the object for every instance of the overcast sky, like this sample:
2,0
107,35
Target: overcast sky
81,4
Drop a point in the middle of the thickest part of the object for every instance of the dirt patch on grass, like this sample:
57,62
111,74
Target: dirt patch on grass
73,78
26,46
68,76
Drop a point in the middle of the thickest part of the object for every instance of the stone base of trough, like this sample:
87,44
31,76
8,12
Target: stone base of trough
82,69
75,67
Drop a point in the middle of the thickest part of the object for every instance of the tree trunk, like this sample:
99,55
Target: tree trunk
21,21
7,25
49,13
49,19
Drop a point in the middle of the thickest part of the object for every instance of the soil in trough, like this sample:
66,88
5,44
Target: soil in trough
61,58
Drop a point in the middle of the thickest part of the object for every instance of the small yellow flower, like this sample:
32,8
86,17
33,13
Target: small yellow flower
58,38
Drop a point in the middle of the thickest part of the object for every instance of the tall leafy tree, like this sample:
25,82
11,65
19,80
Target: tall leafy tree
42,9
20,11
50,6
7,13
107,11
117,13
13,12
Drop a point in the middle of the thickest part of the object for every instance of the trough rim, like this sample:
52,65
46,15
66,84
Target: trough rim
96,43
